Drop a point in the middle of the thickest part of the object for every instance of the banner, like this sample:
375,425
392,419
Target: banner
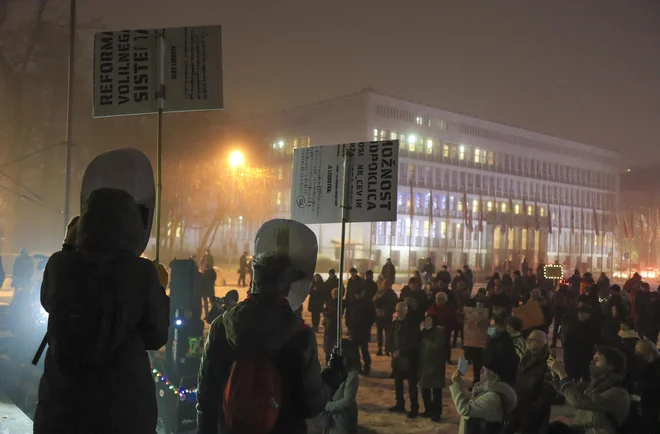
476,324
530,314
126,70
318,183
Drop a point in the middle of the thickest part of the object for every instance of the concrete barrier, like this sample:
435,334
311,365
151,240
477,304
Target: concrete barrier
12,419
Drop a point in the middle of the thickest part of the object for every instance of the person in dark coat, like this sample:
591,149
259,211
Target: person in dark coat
524,267
616,300
112,389
242,269
332,282
363,318
354,285
444,316
209,276
530,281
469,278
611,326
385,303
647,386
23,270
643,311
627,343
403,344
603,285
433,356
500,346
388,271
579,341
370,285
518,286
535,394
318,295
428,270
498,299
330,324
574,281
444,276
563,303
264,325
457,279
417,292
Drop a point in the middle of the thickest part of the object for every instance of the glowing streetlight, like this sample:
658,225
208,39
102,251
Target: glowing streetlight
236,158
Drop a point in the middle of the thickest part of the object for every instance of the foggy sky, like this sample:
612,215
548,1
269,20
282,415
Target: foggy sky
587,70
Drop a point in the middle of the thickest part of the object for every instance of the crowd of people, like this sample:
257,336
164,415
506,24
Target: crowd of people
609,372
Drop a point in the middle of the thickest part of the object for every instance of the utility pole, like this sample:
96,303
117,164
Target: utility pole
69,114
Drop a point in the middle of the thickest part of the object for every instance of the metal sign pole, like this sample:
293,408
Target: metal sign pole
159,135
345,201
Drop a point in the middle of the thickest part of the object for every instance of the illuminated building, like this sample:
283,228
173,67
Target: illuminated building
524,178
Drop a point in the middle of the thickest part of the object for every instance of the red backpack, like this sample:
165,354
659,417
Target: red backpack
253,396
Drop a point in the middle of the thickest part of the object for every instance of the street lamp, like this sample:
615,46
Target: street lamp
236,159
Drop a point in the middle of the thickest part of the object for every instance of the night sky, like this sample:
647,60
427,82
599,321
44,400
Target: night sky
587,70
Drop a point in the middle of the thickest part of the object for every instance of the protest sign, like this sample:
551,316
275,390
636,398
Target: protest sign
476,324
318,182
530,314
127,72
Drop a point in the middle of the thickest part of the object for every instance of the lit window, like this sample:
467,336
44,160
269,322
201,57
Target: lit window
281,144
279,198
393,136
530,210
375,134
490,206
477,155
419,120
274,145
516,208
460,205
491,158
295,143
429,146
461,152
445,151
443,229
503,206
279,174
411,142
542,212
475,205
426,228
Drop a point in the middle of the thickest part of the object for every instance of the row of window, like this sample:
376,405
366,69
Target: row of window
457,232
287,147
523,166
489,134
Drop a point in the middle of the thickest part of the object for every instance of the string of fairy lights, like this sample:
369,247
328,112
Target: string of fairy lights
182,393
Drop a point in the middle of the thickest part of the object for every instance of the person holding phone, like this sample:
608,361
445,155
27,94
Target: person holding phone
433,355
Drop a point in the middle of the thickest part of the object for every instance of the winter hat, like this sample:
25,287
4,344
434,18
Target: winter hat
232,295
500,368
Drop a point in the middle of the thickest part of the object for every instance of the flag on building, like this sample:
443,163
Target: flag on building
412,204
596,223
481,213
537,217
632,225
447,222
572,220
582,220
524,213
549,220
466,208
559,223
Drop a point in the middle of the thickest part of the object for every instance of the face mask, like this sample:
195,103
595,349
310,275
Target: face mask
427,327
492,331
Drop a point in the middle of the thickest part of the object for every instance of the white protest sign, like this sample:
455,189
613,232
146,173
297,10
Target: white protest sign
318,180
126,70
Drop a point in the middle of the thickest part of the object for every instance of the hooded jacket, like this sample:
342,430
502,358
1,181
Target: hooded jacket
256,327
123,397
535,395
484,403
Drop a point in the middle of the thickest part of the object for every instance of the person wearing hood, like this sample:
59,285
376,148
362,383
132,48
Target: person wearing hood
500,347
433,356
535,394
484,409
107,305
602,404
647,386
579,339
264,325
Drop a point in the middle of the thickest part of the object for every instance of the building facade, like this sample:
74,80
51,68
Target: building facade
470,191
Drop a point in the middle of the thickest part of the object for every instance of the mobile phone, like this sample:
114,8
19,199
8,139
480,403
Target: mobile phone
462,366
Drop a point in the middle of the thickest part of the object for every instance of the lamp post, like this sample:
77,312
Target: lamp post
236,160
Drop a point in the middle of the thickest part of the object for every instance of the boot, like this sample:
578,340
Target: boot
400,407
380,352
413,414
427,414
366,370
436,418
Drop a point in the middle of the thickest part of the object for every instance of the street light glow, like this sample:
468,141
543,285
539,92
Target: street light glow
236,158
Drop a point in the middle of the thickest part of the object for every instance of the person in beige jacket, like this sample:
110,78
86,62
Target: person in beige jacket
485,408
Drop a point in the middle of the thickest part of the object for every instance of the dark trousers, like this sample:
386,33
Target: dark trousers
432,401
316,320
241,278
412,389
366,357
383,326
476,356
